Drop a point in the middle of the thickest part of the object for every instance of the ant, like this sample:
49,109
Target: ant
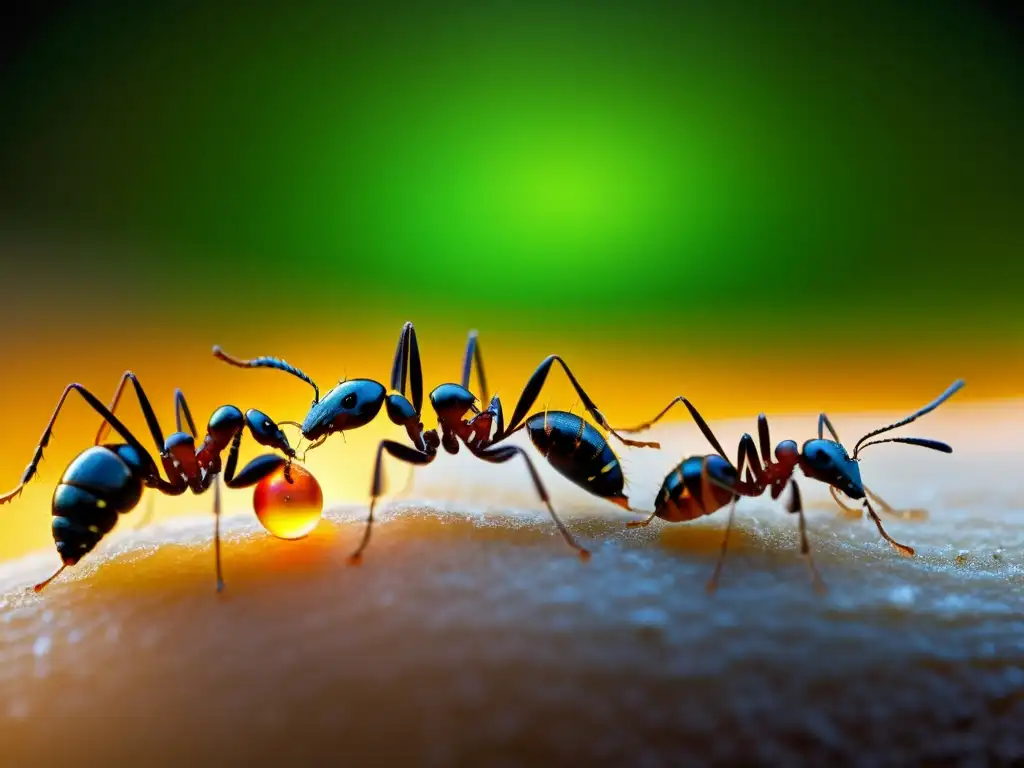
573,447
701,485
106,480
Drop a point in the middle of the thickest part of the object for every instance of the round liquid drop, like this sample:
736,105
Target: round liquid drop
289,510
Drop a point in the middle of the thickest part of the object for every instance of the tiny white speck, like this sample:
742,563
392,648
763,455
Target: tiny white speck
74,635
47,617
41,646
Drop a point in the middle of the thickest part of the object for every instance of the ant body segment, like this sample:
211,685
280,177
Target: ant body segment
701,485
573,447
106,480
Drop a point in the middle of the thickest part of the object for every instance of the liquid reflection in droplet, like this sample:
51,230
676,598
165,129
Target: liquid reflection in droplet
288,510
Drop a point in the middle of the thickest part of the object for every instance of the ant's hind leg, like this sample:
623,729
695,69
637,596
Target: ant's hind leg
109,417
532,390
694,414
500,455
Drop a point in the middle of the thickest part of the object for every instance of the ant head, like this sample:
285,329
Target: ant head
266,432
828,462
451,402
349,405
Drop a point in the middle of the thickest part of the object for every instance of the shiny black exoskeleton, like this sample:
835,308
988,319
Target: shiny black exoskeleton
579,453
701,485
107,480
354,403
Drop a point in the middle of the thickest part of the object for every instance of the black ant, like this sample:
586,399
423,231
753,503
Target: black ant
701,485
106,480
573,447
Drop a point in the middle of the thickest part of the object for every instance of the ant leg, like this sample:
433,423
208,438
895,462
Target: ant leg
823,424
764,437
902,514
795,506
504,453
120,428
903,549
402,453
712,584
216,532
252,472
147,411
642,523
533,388
148,514
473,355
181,410
848,511
746,450
694,414
748,455
407,364
275,363
407,486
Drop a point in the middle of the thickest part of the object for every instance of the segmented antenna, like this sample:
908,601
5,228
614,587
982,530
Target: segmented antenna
268,362
955,387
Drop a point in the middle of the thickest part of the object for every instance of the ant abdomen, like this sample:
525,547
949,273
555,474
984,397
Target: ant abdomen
100,484
579,452
682,498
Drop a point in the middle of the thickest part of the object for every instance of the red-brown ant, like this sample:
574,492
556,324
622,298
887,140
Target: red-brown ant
701,485
106,480
573,447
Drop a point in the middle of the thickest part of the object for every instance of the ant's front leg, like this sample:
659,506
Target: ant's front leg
402,453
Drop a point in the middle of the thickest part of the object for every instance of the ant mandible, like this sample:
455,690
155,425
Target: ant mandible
573,447
701,485
106,480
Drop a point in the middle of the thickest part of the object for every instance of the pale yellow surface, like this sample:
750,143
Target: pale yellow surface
471,635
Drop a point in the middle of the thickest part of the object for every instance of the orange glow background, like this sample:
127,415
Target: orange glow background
627,384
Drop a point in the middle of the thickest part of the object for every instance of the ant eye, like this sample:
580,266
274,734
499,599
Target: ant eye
348,401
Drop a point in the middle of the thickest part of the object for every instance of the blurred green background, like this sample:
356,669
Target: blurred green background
832,174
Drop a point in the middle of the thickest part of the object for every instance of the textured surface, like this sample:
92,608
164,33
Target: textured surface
472,634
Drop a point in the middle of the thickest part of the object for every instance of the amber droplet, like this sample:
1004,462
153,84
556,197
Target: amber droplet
288,510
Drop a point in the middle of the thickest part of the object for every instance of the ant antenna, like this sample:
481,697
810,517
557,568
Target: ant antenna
268,362
955,387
